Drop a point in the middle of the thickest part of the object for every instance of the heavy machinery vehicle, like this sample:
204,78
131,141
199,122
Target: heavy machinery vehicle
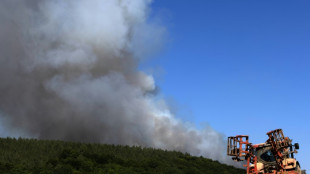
275,156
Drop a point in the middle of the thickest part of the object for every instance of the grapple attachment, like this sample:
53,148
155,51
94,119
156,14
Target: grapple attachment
238,147
277,139
279,143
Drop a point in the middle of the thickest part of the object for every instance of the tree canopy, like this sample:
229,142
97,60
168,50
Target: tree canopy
31,156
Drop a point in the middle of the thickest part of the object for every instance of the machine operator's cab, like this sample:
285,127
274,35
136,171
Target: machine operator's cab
267,161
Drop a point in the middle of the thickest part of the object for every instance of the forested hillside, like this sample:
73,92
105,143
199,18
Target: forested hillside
25,156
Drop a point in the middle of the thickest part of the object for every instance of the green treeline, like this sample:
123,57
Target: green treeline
31,156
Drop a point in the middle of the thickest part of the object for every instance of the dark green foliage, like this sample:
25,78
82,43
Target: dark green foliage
30,156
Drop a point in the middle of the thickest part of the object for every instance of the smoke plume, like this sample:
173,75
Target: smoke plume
69,71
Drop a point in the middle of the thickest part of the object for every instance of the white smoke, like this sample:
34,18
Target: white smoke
68,70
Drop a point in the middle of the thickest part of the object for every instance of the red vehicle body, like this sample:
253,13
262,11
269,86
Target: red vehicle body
275,156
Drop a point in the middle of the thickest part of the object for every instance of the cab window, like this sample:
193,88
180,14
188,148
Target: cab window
267,156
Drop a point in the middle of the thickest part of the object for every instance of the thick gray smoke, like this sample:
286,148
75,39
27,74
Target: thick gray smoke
68,70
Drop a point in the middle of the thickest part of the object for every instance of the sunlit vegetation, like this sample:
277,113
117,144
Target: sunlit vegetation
27,156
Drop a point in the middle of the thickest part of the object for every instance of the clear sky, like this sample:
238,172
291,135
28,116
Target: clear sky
240,66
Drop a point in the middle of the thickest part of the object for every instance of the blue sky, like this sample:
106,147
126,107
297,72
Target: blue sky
240,66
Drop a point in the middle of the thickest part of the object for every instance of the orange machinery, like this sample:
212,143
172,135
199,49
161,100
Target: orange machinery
275,156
